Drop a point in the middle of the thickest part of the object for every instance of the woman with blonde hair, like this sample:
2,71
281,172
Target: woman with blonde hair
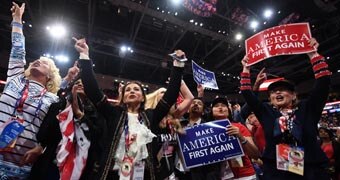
153,98
24,103
166,139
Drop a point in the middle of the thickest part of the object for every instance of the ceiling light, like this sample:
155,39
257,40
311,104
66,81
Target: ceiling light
123,48
176,2
162,11
238,36
176,13
267,13
47,55
201,24
254,24
61,58
265,22
30,25
278,12
196,23
157,8
191,20
57,30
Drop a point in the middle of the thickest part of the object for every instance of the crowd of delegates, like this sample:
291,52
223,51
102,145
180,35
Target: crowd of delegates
78,134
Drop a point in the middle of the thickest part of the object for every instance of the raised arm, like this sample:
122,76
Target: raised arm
251,99
200,90
17,59
319,94
91,86
71,75
184,106
89,81
260,78
171,94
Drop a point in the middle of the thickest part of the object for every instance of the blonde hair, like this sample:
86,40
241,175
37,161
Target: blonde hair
53,84
152,99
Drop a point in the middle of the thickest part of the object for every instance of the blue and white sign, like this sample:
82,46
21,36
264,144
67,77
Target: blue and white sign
204,77
208,143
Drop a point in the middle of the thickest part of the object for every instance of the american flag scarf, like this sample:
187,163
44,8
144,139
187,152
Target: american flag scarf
73,148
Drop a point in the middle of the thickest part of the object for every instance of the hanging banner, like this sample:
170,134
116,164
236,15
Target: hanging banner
204,77
208,143
280,40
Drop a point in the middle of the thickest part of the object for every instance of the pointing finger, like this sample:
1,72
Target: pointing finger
75,39
262,70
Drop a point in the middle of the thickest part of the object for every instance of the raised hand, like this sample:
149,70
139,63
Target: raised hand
81,45
313,43
261,77
179,53
244,63
200,90
17,12
72,72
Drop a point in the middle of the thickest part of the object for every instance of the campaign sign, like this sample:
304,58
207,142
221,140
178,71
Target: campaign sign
208,143
204,77
280,40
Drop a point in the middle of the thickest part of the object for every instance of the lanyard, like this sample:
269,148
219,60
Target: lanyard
24,94
289,117
126,133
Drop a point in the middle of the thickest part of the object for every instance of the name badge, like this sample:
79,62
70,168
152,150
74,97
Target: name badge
10,131
138,170
290,158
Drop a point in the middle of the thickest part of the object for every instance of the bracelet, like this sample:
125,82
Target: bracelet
16,24
245,141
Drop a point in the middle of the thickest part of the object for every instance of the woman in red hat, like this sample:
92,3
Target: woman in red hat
291,125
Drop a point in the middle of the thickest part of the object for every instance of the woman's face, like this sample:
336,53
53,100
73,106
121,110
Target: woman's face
40,67
323,133
282,97
252,119
78,87
220,111
133,94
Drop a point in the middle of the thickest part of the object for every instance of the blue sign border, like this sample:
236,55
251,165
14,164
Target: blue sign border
216,127
198,73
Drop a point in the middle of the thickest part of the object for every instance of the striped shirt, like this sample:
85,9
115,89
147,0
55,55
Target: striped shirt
15,83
